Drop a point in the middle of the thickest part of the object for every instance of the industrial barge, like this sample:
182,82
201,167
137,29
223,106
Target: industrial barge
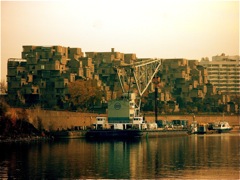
125,122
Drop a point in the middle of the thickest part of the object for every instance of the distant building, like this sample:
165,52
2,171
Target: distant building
224,73
185,81
103,65
184,78
43,74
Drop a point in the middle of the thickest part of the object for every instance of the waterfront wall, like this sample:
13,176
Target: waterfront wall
58,120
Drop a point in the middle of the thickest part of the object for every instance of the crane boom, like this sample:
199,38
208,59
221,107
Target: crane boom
138,75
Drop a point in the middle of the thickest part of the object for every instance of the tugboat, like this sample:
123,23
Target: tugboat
198,128
202,128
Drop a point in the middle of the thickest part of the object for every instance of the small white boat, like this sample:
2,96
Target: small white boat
222,127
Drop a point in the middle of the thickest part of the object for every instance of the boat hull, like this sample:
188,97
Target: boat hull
227,130
109,133
129,134
202,130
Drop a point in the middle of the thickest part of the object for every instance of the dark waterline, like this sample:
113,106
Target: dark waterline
191,157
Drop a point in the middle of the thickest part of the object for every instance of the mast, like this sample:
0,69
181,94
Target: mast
156,81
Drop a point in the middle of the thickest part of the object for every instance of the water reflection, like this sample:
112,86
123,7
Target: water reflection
204,156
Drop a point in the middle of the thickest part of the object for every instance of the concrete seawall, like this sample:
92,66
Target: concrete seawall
54,120
58,120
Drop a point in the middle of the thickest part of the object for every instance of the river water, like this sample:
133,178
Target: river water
214,156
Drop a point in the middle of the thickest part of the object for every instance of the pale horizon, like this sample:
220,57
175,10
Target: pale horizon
148,28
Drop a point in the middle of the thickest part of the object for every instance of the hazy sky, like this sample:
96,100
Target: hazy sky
150,28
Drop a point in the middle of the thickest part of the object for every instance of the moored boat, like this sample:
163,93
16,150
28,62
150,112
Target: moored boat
222,127
124,121
198,128
134,133
202,129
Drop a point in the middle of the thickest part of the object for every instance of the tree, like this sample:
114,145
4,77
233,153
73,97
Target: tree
3,107
182,102
84,94
3,86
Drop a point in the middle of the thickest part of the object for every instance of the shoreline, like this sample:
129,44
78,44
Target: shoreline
9,140
66,133
64,120
28,139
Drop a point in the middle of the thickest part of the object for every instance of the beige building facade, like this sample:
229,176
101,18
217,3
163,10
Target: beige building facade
224,73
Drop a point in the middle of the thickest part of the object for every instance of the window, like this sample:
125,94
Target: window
131,104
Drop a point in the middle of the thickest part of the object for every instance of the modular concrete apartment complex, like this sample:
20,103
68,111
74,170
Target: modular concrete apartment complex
224,73
187,80
43,74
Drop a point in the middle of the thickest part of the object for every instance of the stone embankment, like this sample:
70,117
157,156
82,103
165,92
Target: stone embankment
60,120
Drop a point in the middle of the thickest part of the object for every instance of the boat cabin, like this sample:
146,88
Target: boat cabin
101,122
137,123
